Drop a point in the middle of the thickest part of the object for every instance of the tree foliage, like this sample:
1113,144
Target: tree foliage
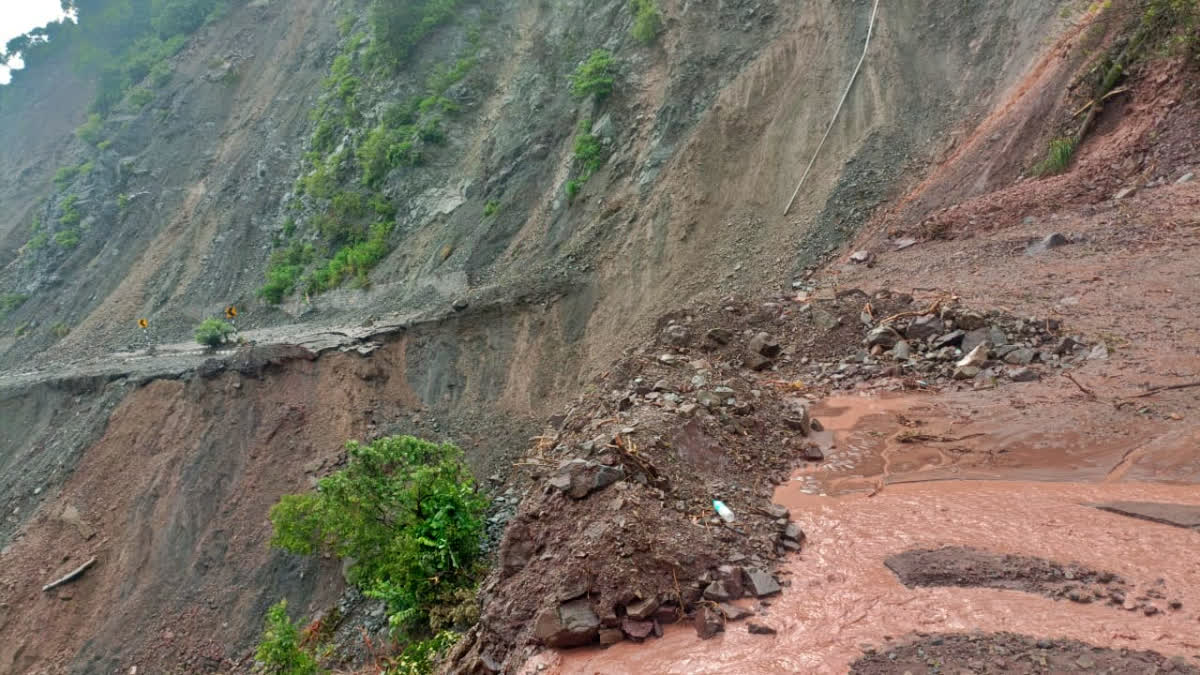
406,511
595,76
213,332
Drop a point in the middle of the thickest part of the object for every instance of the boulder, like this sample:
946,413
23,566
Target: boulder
974,338
824,320
755,361
611,636
719,591
766,345
812,452
967,372
637,630
1020,357
759,629
580,477
882,336
969,320
571,624
901,351
797,417
777,511
923,327
951,339
720,336
794,533
641,609
760,584
677,335
708,623
1023,375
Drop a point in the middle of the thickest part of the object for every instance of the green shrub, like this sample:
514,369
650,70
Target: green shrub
86,168
353,261
595,76
406,511
10,302
122,201
68,238
105,144
65,175
398,25
589,150
60,330
279,651
647,22
284,269
70,211
491,208
139,97
572,188
213,332
92,131
420,658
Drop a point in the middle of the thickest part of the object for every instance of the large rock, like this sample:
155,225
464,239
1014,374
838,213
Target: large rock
708,623
976,357
764,344
571,624
882,336
580,477
823,319
953,338
637,630
970,320
923,327
721,336
760,584
641,609
975,338
1020,357
797,416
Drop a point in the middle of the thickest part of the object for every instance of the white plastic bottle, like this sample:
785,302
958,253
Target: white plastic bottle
723,511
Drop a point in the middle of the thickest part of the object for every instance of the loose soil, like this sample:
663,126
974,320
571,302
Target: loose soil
1010,653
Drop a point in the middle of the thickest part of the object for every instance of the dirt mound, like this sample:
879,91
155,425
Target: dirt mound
616,534
1009,653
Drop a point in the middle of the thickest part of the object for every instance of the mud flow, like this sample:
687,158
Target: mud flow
906,539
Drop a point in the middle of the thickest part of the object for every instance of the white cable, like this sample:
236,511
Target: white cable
849,86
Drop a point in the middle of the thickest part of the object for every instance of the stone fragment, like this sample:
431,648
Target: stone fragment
580,477
760,584
708,623
764,344
882,336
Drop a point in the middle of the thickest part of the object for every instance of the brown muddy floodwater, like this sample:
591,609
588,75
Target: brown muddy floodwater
841,598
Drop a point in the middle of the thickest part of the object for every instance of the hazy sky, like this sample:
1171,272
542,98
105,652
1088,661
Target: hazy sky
19,16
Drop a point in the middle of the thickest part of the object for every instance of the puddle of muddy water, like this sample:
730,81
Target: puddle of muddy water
876,497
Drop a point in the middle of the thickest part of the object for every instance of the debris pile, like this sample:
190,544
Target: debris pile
617,535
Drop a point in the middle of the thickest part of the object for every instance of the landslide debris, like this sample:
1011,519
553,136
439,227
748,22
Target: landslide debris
616,534
1011,653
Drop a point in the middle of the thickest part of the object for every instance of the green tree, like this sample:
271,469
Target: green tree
213,332
595,76
406,511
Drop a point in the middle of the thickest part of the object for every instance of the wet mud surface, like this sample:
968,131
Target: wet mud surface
1010,653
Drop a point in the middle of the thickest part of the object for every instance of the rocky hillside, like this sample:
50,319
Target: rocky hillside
461,221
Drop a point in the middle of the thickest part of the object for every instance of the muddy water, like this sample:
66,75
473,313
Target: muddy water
841,597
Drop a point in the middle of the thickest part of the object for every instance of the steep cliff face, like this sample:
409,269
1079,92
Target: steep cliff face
513,288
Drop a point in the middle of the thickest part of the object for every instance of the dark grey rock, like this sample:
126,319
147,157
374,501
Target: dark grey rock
882,336
951,339
1019,357
580,477
760,584
764,344
923,327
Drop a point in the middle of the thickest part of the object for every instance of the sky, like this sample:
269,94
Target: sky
20,16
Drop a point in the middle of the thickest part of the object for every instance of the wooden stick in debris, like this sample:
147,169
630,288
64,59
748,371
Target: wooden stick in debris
70,577
1154,390
1088,392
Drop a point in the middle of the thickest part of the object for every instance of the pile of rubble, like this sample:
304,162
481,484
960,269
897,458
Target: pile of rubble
616,533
